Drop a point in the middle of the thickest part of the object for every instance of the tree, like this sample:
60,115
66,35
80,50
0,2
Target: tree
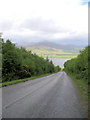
19,63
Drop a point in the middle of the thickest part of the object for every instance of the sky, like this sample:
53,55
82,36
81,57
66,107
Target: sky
61,21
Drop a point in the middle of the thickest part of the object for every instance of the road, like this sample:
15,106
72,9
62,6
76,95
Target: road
53,96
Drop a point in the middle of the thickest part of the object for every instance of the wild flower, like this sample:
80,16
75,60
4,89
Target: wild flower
26,66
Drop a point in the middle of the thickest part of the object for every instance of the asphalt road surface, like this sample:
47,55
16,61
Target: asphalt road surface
53,96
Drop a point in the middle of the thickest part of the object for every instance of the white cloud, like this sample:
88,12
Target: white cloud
47,19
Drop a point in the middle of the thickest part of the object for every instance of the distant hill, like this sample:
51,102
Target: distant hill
51,49
55,45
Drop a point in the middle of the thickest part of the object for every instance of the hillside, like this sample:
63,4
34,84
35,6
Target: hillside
50,49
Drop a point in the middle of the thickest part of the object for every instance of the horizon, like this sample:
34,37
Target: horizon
27,44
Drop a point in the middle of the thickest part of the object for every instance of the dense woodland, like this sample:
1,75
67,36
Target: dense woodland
79,66
18,63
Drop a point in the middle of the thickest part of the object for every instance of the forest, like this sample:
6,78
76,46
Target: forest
78,67
18,63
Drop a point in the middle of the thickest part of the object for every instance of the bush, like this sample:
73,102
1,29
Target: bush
79,65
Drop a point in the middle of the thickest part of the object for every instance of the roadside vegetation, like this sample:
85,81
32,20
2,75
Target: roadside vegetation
77,69
0,60
18,63
22,80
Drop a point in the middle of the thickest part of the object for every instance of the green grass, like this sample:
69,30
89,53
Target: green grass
57,56
82,85
22,80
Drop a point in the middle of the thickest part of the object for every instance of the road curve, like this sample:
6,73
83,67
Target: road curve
53,96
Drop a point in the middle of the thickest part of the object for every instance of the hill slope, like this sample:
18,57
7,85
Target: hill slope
53,50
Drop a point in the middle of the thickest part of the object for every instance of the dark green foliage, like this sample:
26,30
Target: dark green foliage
1,41
18,63
79,65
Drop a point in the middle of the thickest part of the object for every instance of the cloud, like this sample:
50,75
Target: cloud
84,2
35,20
42,26
6,25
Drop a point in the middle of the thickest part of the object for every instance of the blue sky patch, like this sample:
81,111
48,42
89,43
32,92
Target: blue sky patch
84,2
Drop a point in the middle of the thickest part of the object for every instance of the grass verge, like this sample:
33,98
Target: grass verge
81,84
22,80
